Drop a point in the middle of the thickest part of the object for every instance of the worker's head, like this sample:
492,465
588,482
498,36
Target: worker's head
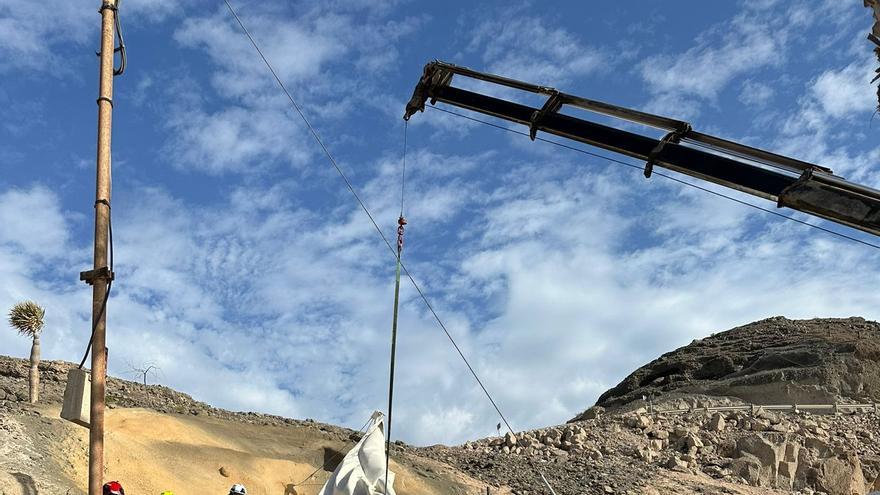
167,492
238,489
113,488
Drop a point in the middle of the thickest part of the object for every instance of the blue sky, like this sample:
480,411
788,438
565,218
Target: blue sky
247,273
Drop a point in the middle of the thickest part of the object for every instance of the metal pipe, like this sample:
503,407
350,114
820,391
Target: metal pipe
846,185
102,218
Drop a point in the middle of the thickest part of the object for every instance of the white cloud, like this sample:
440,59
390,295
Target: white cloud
246,140
706,69
289,307
33,34
595,312
241,71
136,11
29,31
833,115
320,55
846,92
762,37
507,45
674,105
32,222
755,94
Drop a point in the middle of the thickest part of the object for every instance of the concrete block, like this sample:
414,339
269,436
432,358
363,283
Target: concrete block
77,397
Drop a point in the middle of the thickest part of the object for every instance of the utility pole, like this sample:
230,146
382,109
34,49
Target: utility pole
101,275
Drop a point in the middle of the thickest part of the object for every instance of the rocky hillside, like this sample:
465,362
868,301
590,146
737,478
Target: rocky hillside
616,447
772,361
636,453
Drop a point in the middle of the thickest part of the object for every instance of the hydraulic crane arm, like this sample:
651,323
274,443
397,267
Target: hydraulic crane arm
789,182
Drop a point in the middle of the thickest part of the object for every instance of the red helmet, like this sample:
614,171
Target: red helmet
113,488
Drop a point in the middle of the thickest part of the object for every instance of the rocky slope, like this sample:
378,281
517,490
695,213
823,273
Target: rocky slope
637,453
772,361
616,447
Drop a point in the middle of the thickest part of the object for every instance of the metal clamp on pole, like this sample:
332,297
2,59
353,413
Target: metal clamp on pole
673,137
552,105
102,273
123,60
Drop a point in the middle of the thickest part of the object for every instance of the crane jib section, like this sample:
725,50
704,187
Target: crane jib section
789,182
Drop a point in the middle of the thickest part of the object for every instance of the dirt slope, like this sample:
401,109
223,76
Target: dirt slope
166,440
151,452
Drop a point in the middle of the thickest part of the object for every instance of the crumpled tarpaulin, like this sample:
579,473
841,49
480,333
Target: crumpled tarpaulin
362,470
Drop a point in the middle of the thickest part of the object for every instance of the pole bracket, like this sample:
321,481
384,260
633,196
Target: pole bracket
552,105
673,137
102,273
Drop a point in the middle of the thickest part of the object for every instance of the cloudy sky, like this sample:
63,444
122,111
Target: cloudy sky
248,274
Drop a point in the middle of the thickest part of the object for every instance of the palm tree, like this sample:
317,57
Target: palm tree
27,318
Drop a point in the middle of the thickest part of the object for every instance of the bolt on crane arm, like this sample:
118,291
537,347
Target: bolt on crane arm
789,182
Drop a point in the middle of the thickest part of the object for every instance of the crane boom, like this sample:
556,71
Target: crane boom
789,182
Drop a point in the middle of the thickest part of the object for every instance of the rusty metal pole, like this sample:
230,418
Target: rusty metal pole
102,218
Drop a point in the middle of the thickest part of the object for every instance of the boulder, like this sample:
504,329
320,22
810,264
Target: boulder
592,413
680,432
657,433
760,424
510,439
691,443
675,462
639,421
841,476
748,468
766,453
716,423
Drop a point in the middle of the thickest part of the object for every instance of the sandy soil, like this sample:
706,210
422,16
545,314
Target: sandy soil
150,452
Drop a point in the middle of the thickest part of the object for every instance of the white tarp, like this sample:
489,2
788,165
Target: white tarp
362,471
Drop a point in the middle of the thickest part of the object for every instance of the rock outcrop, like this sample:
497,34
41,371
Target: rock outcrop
772,361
